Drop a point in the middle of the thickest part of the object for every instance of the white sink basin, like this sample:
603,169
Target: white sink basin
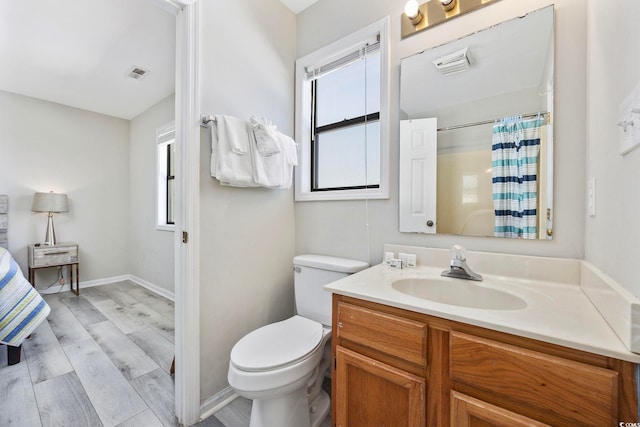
461,293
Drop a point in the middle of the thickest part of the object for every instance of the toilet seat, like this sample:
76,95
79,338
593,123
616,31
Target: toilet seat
277,345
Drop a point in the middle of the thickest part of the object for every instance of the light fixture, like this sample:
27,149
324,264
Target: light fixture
50,202
419,17
453,63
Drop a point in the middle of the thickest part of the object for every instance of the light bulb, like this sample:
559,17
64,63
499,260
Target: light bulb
448,4
412,9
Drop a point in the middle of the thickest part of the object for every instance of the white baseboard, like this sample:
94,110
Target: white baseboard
109,280
104,281
55,289
217,402
152,287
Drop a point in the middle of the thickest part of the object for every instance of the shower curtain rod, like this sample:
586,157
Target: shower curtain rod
486,122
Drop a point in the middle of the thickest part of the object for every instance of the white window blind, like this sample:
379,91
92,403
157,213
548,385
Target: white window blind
361,52
166,136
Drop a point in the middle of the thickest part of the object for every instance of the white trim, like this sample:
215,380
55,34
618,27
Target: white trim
161,174
303,109
109,281
56,289
152,287
187,256
104,281
217,402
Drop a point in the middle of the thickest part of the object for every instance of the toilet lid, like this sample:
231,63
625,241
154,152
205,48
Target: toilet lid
277,344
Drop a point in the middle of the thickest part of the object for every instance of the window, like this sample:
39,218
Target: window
166,178
342,118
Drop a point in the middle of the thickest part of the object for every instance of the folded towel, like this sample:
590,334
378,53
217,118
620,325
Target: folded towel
265,136
235,131
22,308
267,162
229,167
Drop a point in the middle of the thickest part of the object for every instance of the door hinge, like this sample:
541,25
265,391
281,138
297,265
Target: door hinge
185,237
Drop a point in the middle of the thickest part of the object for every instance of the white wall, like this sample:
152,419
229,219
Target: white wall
339,228
151,251
247,235
46,146
613,235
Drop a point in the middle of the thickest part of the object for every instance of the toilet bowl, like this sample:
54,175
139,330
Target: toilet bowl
276,366
281,366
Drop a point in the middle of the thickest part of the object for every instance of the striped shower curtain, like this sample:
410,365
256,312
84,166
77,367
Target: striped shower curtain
514,162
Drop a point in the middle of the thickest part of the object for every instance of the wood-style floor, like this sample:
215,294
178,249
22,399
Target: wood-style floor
101,359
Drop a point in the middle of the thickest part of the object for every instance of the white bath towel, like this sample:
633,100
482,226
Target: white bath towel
228,167
276,170
290,160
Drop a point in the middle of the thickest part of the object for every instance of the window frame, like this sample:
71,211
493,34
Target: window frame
170,219
165,136
304,116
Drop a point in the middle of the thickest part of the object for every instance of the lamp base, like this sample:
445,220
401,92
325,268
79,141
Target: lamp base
50,235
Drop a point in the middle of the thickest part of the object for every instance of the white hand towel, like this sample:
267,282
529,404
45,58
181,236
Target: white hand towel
236,132
265,135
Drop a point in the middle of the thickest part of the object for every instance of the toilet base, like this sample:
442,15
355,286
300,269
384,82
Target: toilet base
319,409
289,410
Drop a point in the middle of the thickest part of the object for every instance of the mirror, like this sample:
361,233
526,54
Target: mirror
488,91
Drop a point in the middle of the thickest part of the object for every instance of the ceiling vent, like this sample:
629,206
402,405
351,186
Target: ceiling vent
137,73
456,62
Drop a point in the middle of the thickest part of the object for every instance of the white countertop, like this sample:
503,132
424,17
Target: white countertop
555,312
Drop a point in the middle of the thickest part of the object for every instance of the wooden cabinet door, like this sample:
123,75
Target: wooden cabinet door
469,412
373,394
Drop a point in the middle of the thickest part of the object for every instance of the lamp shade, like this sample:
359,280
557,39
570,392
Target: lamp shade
50,202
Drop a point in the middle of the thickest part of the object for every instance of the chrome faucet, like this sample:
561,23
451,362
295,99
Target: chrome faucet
459,268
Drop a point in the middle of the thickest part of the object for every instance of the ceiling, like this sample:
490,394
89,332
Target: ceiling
297,6
78,53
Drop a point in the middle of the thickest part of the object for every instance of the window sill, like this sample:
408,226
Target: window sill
308,196
165,227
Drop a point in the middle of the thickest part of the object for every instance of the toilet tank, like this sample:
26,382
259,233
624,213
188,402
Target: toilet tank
311,273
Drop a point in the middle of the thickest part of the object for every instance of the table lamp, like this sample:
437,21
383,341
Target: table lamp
50,202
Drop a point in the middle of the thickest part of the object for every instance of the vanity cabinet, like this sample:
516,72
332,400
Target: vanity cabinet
394,367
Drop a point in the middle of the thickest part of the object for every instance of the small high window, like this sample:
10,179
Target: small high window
166,178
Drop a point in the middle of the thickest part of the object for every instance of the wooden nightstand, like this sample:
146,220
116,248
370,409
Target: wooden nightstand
58,255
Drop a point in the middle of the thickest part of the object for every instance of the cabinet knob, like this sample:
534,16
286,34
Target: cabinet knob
429,223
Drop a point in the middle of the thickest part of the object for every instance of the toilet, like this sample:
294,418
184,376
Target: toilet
281,366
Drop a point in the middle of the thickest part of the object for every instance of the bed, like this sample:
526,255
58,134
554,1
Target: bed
22,308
